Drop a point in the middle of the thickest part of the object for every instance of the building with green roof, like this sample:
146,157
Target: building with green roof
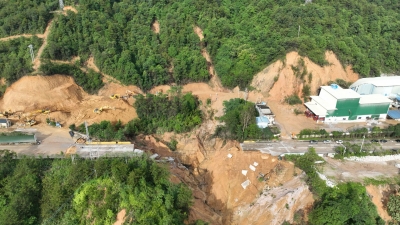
334,104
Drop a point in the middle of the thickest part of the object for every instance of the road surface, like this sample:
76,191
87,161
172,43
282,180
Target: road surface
292,146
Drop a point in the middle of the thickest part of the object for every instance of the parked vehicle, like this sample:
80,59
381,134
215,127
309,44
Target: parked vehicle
374,141
339,142
383,141
327,141
397,140
313,142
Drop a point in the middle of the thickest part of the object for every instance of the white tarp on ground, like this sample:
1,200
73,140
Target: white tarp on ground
252,167
255,163
229,155
245,184
374,158
328,182
244,172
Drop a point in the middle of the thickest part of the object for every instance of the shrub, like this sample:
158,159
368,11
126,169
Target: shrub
293,99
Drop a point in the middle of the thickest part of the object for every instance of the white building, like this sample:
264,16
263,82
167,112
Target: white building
266,118
386,86
334,104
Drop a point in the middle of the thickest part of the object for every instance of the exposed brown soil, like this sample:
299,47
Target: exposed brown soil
214,81
278,80
155,27
37,61
216,183
376,193
69,103
71,8
120,217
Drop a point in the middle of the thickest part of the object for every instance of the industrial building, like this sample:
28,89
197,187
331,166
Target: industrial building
335,104
5,123
266,117
386,86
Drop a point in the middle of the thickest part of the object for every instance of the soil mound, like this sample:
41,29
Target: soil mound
68,102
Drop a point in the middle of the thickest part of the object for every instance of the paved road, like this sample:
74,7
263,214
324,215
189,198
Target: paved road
290,146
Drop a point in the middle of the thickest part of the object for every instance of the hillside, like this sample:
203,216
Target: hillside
240,37
187,58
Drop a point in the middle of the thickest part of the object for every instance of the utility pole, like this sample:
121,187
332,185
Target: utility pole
61,4
298,33
31,52
344,151
362,143
87,133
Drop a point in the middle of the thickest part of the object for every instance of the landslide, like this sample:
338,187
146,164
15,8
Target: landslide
205,165
280,80
67,101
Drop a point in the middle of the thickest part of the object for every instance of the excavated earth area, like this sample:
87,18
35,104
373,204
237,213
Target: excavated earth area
216,170
67,101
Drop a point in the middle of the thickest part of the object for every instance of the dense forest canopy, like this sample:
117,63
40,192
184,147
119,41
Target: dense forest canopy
15,60
25,16
58,191
241,36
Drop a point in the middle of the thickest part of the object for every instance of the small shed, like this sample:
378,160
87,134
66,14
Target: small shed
394,114
5,123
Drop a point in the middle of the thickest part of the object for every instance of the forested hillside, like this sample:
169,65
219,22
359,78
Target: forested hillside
25,16
46,191
241,36
15,60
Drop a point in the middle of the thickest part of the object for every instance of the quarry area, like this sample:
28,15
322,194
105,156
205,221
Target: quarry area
230,186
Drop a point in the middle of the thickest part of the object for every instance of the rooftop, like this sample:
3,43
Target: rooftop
374,99
394,114
378,81
18,139
326,104
315,108
340,93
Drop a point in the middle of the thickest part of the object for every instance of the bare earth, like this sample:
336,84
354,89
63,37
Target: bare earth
155,27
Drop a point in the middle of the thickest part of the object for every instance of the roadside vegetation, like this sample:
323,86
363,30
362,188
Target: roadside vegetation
59,191
346,203
391,131
239,122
